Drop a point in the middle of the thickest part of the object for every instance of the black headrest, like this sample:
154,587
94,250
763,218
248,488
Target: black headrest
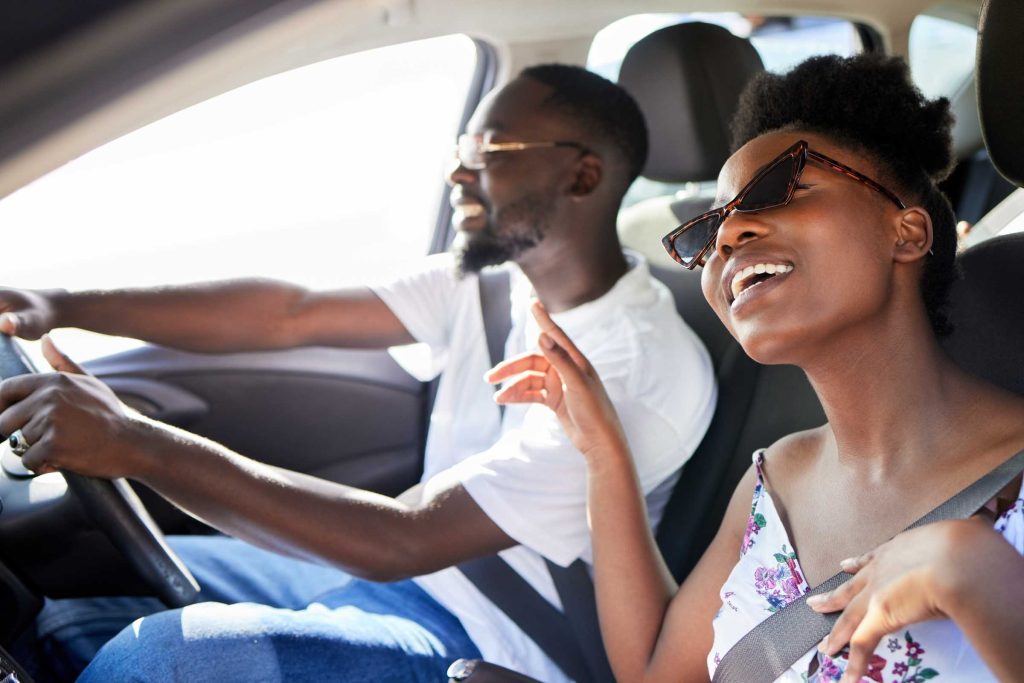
687,79
987,312
1001,85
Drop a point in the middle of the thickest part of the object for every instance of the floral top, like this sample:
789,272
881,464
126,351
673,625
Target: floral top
768,577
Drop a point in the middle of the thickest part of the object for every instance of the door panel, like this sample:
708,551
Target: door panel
353,417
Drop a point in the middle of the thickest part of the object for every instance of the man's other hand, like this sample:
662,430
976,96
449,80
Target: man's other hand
25,313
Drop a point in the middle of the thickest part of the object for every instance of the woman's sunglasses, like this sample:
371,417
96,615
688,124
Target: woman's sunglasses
772,187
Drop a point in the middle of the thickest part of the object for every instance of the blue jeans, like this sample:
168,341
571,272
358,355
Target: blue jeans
267,618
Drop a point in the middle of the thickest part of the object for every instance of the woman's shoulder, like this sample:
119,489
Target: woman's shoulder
793,455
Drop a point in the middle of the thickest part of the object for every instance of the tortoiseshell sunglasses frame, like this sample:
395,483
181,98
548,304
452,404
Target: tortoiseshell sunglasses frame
801,151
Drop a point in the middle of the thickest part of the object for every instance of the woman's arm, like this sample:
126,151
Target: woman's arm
986,598
686,637
651,631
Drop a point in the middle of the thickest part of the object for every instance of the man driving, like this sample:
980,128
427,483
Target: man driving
317,580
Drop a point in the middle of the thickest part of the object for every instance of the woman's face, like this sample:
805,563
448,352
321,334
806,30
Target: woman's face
831,249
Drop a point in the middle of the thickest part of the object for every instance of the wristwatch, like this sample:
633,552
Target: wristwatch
461,669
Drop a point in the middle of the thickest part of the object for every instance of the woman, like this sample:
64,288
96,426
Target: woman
835,255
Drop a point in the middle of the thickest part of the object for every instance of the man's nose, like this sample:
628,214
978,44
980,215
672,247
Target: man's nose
457,174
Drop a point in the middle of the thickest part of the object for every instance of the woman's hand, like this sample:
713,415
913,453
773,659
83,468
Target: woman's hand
902,582
561,378
70,419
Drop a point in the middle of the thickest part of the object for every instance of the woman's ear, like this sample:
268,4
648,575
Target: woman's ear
913,235
589,172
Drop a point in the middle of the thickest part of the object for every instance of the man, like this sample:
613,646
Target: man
538,183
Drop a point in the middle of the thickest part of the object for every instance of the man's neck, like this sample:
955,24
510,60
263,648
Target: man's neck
566,275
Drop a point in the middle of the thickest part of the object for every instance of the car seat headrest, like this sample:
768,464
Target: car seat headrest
987,313
687,80
1001,86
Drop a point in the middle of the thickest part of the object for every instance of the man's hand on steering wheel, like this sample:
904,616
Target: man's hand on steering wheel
68,419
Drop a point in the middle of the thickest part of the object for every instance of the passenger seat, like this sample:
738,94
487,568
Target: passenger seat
986,309
687,79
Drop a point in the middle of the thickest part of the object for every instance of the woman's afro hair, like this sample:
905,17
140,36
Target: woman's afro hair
866,101
869,104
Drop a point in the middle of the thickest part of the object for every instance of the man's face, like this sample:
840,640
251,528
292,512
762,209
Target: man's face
507,208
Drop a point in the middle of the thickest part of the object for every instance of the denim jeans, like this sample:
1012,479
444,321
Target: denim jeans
265,618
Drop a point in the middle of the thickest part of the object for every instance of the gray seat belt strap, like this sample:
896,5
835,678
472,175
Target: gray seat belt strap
774,645
576,591
496,310
571,638
538,618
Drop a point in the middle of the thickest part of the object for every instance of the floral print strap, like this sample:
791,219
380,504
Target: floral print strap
757,520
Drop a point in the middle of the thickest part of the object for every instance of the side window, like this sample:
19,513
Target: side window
782,42
326,175
941,55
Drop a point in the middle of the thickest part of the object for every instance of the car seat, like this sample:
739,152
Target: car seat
985,306
687,80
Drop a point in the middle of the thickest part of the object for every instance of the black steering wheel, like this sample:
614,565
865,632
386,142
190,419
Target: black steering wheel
114,508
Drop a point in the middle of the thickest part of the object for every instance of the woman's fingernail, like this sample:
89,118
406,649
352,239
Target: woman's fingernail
848,563
815,600
823,645
546,341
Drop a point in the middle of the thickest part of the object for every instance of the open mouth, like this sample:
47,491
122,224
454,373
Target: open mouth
470,210
468,214
752,276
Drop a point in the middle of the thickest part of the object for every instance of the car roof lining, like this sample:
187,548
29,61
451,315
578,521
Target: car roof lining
60,100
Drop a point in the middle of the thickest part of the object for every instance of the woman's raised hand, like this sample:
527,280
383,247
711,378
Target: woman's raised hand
561,378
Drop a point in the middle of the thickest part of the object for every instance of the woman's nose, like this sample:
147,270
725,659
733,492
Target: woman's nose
737,230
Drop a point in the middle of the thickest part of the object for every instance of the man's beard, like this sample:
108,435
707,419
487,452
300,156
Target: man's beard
514,229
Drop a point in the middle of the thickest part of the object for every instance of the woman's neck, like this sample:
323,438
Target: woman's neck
892,396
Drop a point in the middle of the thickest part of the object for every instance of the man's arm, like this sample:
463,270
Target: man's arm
75,422
237,315
366,534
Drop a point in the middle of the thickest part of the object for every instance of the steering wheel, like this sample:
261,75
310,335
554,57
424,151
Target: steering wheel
114,508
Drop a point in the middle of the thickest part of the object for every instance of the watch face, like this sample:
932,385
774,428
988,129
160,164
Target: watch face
461,669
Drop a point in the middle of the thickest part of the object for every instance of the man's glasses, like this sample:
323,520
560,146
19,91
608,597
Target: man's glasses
472,150
772,187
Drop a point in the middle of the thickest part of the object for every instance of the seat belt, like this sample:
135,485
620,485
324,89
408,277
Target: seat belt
571,638
496,310
778,642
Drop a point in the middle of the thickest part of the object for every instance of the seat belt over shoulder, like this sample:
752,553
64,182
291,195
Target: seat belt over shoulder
496,310
571,637
778,642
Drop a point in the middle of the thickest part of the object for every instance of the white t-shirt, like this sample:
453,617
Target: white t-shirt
522,470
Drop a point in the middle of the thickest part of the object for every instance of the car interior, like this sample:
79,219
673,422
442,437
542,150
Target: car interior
74,78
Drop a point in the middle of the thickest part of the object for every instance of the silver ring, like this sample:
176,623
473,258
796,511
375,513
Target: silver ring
19,444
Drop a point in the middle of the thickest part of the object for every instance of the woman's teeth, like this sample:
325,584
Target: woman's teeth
746,278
